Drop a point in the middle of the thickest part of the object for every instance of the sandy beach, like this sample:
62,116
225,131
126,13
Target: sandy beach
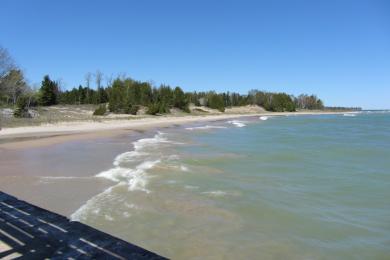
46,134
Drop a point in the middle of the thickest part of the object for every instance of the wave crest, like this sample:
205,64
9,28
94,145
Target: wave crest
237,123
133,175
205,127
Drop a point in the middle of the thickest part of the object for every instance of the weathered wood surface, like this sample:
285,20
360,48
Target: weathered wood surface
30,232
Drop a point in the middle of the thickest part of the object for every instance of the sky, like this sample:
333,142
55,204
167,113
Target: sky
338,50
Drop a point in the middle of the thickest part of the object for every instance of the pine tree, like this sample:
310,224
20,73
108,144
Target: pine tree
180,100
48,92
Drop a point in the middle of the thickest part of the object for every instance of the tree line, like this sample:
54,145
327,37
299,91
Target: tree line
126,95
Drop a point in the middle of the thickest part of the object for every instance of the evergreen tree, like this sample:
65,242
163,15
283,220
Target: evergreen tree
117,97
102,96
216,101
100,111
180,100
48,92
22,107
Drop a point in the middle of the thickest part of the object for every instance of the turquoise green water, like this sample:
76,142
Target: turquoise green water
297,187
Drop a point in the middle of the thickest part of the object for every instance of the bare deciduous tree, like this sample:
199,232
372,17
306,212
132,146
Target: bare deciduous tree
109,80
6,62
6,65
88,78
98,79
14,85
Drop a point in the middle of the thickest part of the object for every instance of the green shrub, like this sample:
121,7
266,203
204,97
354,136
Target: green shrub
158,108
186,109
132,110
22,107
153,109
215,101
100,111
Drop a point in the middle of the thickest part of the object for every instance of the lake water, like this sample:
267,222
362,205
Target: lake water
283,187
297,187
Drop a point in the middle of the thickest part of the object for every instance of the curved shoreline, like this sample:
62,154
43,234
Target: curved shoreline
21,137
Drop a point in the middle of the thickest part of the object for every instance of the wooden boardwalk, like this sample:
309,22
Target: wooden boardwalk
30,232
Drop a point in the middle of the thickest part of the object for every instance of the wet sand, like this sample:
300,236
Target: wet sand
57,173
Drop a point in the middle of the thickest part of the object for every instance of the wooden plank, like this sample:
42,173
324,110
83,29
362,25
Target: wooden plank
34,232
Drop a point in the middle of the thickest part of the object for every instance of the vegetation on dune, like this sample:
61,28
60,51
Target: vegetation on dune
21,109
125,95
100,111
216,101
49,92
309,102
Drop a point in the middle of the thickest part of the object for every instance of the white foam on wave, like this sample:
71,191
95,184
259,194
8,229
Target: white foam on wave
237,123
150,142
216,193
93,204
139,147
108,217
184,168
205,127
126,214
128,157
135,178
264,118
139,179
349,114
114,174
131,205
175,167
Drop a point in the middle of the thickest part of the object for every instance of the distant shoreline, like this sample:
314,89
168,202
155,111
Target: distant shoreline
33,136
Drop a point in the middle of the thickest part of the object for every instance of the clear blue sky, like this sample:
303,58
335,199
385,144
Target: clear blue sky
339,50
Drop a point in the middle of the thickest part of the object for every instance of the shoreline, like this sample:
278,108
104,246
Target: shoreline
32,136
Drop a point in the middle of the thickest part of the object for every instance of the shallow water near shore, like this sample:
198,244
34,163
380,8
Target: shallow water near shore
297,187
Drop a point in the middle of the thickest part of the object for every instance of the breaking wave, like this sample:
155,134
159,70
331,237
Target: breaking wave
127,157
221,193
94,204
216,193
130,169
135,178
135,175
184,168
205,127
237,123
264,118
